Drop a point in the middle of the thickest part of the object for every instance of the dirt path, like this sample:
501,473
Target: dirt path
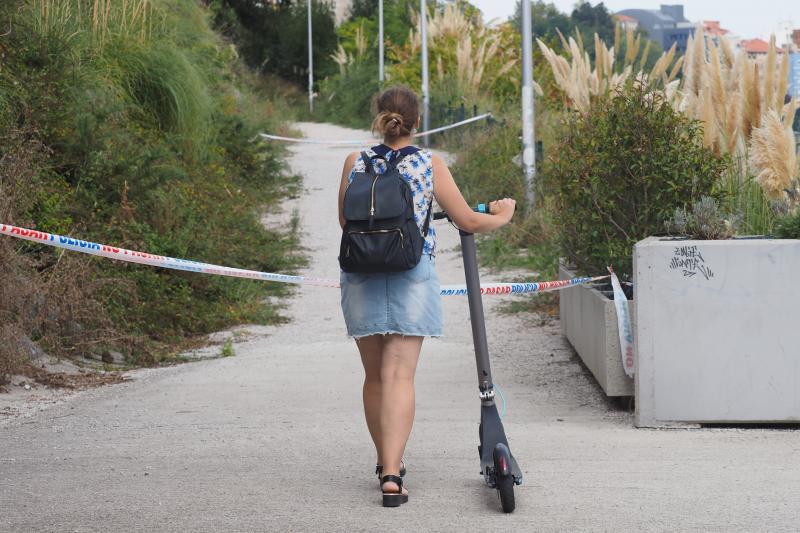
273,439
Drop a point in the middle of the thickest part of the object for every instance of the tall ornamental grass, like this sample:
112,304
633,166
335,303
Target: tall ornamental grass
739,101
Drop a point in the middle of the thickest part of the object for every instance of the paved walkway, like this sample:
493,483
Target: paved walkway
273,439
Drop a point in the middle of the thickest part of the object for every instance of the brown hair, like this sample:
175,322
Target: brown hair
397,112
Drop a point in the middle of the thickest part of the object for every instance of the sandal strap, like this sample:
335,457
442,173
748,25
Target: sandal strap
379,469
389,478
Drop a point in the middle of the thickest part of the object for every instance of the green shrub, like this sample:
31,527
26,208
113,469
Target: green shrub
141,138
346,98
485,169
788,226
703,221
619,172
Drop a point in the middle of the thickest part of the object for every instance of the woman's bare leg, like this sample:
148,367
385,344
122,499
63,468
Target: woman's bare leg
398,366
371,349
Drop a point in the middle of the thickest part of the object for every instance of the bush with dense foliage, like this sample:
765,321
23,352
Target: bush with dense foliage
619,172
130,124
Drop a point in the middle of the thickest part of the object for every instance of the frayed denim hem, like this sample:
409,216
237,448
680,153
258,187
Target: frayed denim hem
389,331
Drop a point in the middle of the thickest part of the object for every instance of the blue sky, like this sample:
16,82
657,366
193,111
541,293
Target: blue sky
745,18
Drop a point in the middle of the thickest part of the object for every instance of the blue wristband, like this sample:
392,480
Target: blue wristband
482,208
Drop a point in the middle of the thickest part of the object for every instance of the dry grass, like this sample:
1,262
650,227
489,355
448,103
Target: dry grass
46,297
100,18
482,55
63,380
343,59
580,79
772,155
739,100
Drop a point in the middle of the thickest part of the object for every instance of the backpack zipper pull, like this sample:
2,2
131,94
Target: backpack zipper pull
372,204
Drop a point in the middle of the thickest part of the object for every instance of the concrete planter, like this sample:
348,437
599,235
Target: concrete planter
589,322
717,332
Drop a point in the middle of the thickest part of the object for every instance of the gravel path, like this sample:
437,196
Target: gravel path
273,439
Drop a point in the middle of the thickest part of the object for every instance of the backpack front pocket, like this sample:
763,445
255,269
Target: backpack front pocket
379,250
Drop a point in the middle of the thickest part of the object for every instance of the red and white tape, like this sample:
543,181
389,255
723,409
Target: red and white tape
144,258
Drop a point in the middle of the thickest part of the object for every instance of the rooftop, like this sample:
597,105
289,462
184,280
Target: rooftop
757,46
712,27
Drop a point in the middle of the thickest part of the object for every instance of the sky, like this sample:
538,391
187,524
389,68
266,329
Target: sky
745,18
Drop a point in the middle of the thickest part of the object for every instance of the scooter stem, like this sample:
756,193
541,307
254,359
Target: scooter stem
470,256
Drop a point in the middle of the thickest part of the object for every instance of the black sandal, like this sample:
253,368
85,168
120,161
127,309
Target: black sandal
393,499
379,469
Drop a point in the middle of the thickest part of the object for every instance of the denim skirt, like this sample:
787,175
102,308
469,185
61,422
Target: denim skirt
405,303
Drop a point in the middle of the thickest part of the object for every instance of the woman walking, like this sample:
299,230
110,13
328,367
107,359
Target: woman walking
389,314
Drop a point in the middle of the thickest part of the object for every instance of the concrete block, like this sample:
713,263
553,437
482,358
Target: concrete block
589,322
716,331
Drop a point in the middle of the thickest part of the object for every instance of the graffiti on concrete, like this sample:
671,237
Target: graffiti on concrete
690,262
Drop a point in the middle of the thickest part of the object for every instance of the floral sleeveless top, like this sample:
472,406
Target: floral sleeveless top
416,167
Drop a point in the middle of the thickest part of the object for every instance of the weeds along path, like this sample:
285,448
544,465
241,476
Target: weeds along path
273,439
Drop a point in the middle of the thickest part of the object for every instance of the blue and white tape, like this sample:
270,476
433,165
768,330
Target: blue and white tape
624,326
144,258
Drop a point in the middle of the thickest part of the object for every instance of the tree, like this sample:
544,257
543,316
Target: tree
590,20
396,17
273,37
546,19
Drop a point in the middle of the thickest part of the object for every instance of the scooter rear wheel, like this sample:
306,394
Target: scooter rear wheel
505,488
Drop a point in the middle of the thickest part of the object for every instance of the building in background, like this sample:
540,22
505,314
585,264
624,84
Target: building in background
626,22
666,25
783,34
754,48
794,75
714,31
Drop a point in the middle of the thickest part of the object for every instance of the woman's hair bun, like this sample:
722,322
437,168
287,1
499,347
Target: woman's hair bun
390,124
397,112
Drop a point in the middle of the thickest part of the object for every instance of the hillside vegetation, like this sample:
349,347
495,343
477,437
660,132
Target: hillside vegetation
131,122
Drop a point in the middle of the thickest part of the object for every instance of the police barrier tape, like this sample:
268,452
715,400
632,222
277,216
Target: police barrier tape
624,327
132,256
370,141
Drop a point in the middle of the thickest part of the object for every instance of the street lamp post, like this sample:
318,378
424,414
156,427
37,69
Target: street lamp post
310,64
528,136
380,41
425,94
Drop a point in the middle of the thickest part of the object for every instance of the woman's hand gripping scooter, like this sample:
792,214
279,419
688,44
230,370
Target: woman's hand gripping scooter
498,466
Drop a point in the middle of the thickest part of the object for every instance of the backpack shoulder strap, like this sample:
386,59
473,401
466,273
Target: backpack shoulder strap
427,223
367,163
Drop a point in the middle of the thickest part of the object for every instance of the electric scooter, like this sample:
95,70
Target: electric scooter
498,467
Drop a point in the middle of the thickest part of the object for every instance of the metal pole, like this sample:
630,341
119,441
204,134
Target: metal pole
310,64
425,96
528,136
380,41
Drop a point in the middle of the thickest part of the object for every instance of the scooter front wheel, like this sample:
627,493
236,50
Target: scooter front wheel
505,488
504,479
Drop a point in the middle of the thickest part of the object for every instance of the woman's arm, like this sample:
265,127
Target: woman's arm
449,197
348,166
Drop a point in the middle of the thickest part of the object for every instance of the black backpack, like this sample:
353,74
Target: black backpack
380,233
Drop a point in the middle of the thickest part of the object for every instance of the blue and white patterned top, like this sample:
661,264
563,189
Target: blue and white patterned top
416,167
